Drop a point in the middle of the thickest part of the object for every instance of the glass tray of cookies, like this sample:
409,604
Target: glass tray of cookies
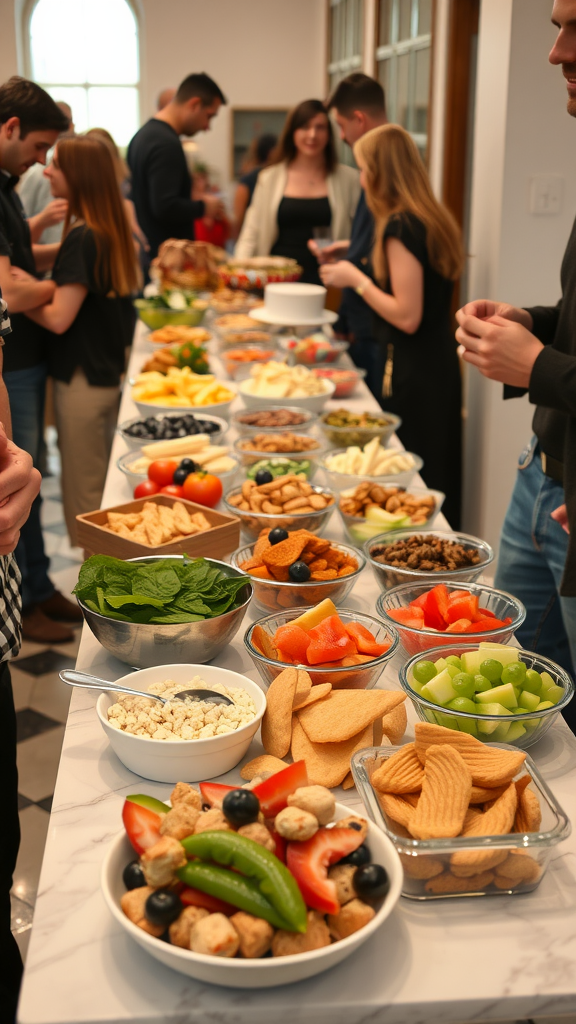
467,818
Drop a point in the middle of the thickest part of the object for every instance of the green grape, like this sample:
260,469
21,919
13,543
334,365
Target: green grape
424,671
532,682
514,673
463,704
491,669
463,683
481,683
453,660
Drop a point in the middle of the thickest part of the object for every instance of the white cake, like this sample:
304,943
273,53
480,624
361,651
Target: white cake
294,303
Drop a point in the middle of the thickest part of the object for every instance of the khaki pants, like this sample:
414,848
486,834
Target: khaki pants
85,419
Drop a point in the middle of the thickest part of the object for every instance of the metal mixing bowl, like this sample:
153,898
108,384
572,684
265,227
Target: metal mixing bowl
145,644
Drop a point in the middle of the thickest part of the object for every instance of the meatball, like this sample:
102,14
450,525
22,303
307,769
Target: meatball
258,833
180,821
255,934
317,935
353,821
181,929
215,935
212,820
292,823
317,800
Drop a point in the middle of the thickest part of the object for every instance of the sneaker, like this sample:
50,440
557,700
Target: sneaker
38,627
60,608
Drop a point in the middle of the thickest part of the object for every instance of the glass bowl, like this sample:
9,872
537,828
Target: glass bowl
252,523
228,478
236,368
415,641
345,437
426,859
248,457
357,677
534,725
344,378
273,596
389,576
359,529
342,481
313,403
235,301
233,323
137,442
232,338
155,316
238,420
312,356
220,409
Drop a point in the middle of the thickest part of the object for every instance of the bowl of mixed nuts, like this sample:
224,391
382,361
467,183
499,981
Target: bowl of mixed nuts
404,556
289,502
371,509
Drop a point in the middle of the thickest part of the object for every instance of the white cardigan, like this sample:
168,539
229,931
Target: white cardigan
260,228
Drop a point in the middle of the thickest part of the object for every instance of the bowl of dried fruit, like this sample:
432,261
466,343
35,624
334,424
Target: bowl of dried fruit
402,556
296,568
288,502
371,509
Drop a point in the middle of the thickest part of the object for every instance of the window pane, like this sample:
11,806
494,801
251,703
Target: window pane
402,70
77,98
424,17
116,110
71,42
422,91
385,22
111,56
404,19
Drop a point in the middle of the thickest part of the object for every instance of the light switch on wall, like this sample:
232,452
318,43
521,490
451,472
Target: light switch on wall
546,194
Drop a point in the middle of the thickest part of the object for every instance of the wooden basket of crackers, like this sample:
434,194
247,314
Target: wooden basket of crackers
467,818
158,525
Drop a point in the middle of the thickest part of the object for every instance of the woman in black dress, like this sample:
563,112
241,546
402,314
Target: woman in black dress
416,258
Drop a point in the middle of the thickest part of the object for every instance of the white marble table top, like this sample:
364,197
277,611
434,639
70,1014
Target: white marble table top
504,957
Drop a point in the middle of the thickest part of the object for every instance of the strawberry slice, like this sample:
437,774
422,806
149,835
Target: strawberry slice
213,793
309,863
142,825
273,793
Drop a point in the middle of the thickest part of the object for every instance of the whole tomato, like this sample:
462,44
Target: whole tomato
174,490
146,489
203,488
162,471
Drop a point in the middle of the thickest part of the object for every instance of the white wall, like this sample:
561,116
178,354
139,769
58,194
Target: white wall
262,53
521,129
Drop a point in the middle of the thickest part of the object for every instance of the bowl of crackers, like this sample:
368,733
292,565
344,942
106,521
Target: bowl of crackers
359,673
300,570
274,382
288,502
467,818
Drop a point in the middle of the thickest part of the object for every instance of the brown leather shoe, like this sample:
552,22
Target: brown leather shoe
38,627
60,608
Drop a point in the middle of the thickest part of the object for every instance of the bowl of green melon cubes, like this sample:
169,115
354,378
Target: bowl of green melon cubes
495,692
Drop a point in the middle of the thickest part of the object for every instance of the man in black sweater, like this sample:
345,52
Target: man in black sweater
161,182
534,350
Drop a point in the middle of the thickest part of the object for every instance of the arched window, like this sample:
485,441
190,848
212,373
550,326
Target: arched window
85,52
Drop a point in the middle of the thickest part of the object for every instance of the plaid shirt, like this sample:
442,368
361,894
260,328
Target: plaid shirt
10,608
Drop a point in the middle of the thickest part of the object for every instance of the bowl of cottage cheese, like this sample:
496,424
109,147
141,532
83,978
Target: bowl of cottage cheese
177,740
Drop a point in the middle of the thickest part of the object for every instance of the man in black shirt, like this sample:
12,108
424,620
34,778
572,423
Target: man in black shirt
359,105
161,182
534,350
30,123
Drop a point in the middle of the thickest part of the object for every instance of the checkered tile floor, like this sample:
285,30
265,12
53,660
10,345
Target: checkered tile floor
41,708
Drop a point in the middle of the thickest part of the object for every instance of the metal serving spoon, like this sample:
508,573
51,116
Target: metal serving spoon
90,682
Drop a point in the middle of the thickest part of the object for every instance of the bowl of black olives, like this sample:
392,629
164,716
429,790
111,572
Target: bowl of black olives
139,431
300,590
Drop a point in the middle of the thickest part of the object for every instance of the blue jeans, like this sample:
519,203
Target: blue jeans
531,562
26,391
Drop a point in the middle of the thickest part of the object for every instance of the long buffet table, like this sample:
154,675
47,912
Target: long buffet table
499,958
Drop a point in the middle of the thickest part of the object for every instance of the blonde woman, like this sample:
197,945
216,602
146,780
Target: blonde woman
304,188
416,258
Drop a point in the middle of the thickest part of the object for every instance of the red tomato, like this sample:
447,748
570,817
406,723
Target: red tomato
146,489
162,471
174,490
203,488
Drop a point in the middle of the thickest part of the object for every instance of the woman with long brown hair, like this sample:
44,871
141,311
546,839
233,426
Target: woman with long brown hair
304,188
416,258
90,316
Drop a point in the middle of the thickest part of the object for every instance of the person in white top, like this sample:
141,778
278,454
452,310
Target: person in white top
304,188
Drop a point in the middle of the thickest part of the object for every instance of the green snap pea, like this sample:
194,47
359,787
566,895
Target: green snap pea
273,879
232,888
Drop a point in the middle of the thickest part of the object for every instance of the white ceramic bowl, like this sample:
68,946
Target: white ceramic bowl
222,409
268,971
137,442
342,481
313,403
182,760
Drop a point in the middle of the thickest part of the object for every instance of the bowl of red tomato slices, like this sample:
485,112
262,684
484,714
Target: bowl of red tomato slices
426,616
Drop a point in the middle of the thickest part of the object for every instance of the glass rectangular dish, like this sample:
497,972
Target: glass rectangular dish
426,862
